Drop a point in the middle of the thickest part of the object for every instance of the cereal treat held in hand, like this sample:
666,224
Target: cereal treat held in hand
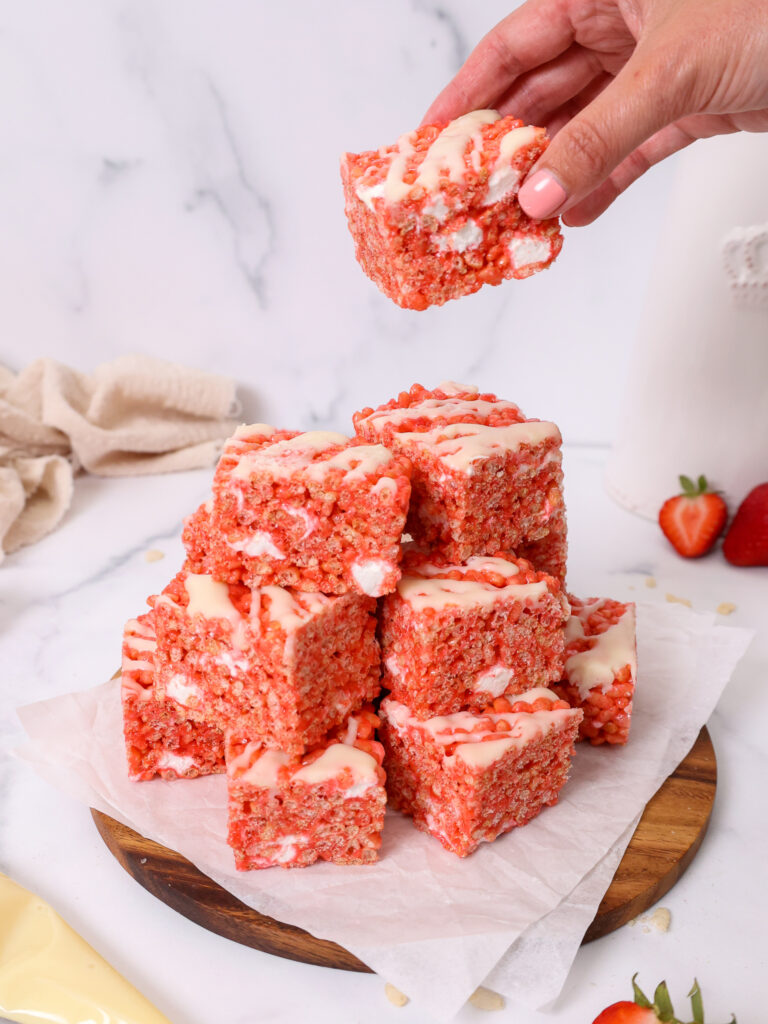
436,216
484,479
601,668
327,804
454,637
160,737
467,778
314,511
280,666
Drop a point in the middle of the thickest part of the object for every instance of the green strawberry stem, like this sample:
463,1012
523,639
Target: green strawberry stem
662,1004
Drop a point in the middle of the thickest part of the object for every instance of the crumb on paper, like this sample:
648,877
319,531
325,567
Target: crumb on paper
394,995
674,599
484,999
658,921
153,555
725,608
661,919
650,581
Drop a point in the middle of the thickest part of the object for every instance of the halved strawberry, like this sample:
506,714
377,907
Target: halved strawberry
660,1011
746,542
692,521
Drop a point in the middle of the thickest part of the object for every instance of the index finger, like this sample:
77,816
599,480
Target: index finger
535,33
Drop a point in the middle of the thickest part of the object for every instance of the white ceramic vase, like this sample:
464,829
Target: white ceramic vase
697,395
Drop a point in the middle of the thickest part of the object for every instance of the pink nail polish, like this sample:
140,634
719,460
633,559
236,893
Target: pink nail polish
541,195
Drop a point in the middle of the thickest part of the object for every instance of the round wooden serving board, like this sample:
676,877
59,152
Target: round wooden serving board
664,844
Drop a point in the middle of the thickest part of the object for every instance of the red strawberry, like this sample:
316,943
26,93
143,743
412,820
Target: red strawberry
692,521
643,1011
746,542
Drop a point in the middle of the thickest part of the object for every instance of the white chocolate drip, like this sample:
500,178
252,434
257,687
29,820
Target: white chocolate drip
263,772
298,455
473,746
334,760
246,430
451,387
476,563
355,462
435,408
458,445
442,593
446,154
608,654
209,598
292,609
447,151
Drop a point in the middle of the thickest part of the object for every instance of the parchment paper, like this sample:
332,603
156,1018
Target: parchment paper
511,915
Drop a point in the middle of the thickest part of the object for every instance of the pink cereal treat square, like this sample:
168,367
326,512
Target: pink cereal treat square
277,665
484,478
160,737
327,804
467,778
435,216
601,668
315,511
454,637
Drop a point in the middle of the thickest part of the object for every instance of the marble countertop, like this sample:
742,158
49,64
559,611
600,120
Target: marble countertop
63,604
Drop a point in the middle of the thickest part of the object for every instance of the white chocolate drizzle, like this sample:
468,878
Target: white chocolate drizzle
439,593
609,652
210,598
459,445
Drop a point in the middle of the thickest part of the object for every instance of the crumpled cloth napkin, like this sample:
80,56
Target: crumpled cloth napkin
136,414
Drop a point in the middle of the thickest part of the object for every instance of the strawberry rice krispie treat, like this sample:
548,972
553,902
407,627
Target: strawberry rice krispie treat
327,804
435,216
484,478
467,778
454,637
600,668
550,554
160,737
279,666
313,511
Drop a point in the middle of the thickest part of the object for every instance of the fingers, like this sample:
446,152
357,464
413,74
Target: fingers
534,34
535,95
645,97
661,145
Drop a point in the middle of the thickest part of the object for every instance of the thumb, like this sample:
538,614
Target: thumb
644,97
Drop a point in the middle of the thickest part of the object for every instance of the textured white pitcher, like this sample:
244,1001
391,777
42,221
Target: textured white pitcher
697,393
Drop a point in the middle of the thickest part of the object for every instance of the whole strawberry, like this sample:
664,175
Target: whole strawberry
643,1011
692,521
746,542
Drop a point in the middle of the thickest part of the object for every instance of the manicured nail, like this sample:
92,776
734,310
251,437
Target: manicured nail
541,195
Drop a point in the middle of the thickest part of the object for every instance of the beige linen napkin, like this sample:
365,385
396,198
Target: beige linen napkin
134,415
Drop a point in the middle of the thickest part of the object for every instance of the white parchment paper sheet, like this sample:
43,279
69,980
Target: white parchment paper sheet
436,926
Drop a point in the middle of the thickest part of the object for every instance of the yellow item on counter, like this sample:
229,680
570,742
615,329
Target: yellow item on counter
48,973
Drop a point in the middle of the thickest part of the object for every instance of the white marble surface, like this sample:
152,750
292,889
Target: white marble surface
169,184
63,605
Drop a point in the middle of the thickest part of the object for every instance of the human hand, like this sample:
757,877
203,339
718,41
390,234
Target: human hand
620,84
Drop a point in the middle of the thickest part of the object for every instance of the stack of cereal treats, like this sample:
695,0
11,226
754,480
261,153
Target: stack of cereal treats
260,657
427,555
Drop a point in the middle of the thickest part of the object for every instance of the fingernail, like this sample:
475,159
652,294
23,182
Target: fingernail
541,195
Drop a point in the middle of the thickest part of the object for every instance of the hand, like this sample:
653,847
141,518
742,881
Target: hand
620,84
